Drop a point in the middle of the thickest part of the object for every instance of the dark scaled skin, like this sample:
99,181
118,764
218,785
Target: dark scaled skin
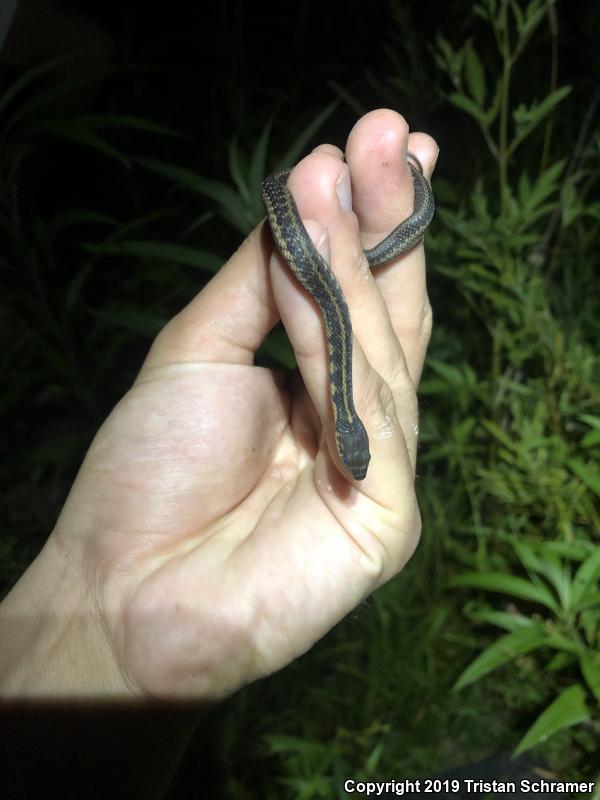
315,275
353,448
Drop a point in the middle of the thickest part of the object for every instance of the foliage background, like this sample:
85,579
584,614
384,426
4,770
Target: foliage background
126,184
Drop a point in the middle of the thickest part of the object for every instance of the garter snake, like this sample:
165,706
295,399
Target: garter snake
315,275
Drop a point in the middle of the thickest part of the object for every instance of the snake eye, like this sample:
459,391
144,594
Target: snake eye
354,449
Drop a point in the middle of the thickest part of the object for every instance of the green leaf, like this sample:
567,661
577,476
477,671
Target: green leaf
591,420
586,577
373,759
180,175
87,137
502,619
75,286
535,12
237,171
258,171
30,76
527,556
197,222
162,251
590,669
589,620
546,185
450,60
576,550
33,114
139,322
527,118
571,205
466,104
231,205
475,76
80,216
520,641
589,474
558,574
127,121
518,15
259,159
560,661
591,439
500,435
506,584
282,743
494,109
294,151
567,710
277,347
565,644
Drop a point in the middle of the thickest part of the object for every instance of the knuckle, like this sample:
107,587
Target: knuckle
418,324
398,376
427,322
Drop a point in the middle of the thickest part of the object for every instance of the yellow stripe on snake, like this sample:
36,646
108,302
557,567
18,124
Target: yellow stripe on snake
315,275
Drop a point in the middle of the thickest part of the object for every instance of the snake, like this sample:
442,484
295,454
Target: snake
314,274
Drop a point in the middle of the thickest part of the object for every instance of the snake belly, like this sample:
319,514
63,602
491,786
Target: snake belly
315,275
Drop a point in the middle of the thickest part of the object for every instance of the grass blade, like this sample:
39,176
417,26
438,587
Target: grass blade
507,584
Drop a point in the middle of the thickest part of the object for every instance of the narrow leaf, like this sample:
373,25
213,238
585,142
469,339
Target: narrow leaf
180,175
236,170
502,619
520,641
499,434
74,288
527,556
475,76
591,420
80,216
590,669
589,474
466,104
586,577
294,151
30,76
259,159
567,710
277,347
80,134
130,122
163,251
507,584
136,321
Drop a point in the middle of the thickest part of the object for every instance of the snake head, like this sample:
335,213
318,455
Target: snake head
353,447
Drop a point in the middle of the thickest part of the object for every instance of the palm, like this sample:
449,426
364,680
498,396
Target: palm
216,526
218,536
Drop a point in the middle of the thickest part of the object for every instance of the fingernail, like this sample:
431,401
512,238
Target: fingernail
433,162
343,190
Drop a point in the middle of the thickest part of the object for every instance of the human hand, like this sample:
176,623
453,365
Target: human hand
212,534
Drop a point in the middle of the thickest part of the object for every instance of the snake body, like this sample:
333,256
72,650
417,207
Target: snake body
315,275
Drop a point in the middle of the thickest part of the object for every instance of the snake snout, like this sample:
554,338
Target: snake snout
354,449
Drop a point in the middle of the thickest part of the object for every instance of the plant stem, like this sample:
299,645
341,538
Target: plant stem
503,141
553,23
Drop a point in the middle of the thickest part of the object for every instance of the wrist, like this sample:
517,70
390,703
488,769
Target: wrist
54,641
